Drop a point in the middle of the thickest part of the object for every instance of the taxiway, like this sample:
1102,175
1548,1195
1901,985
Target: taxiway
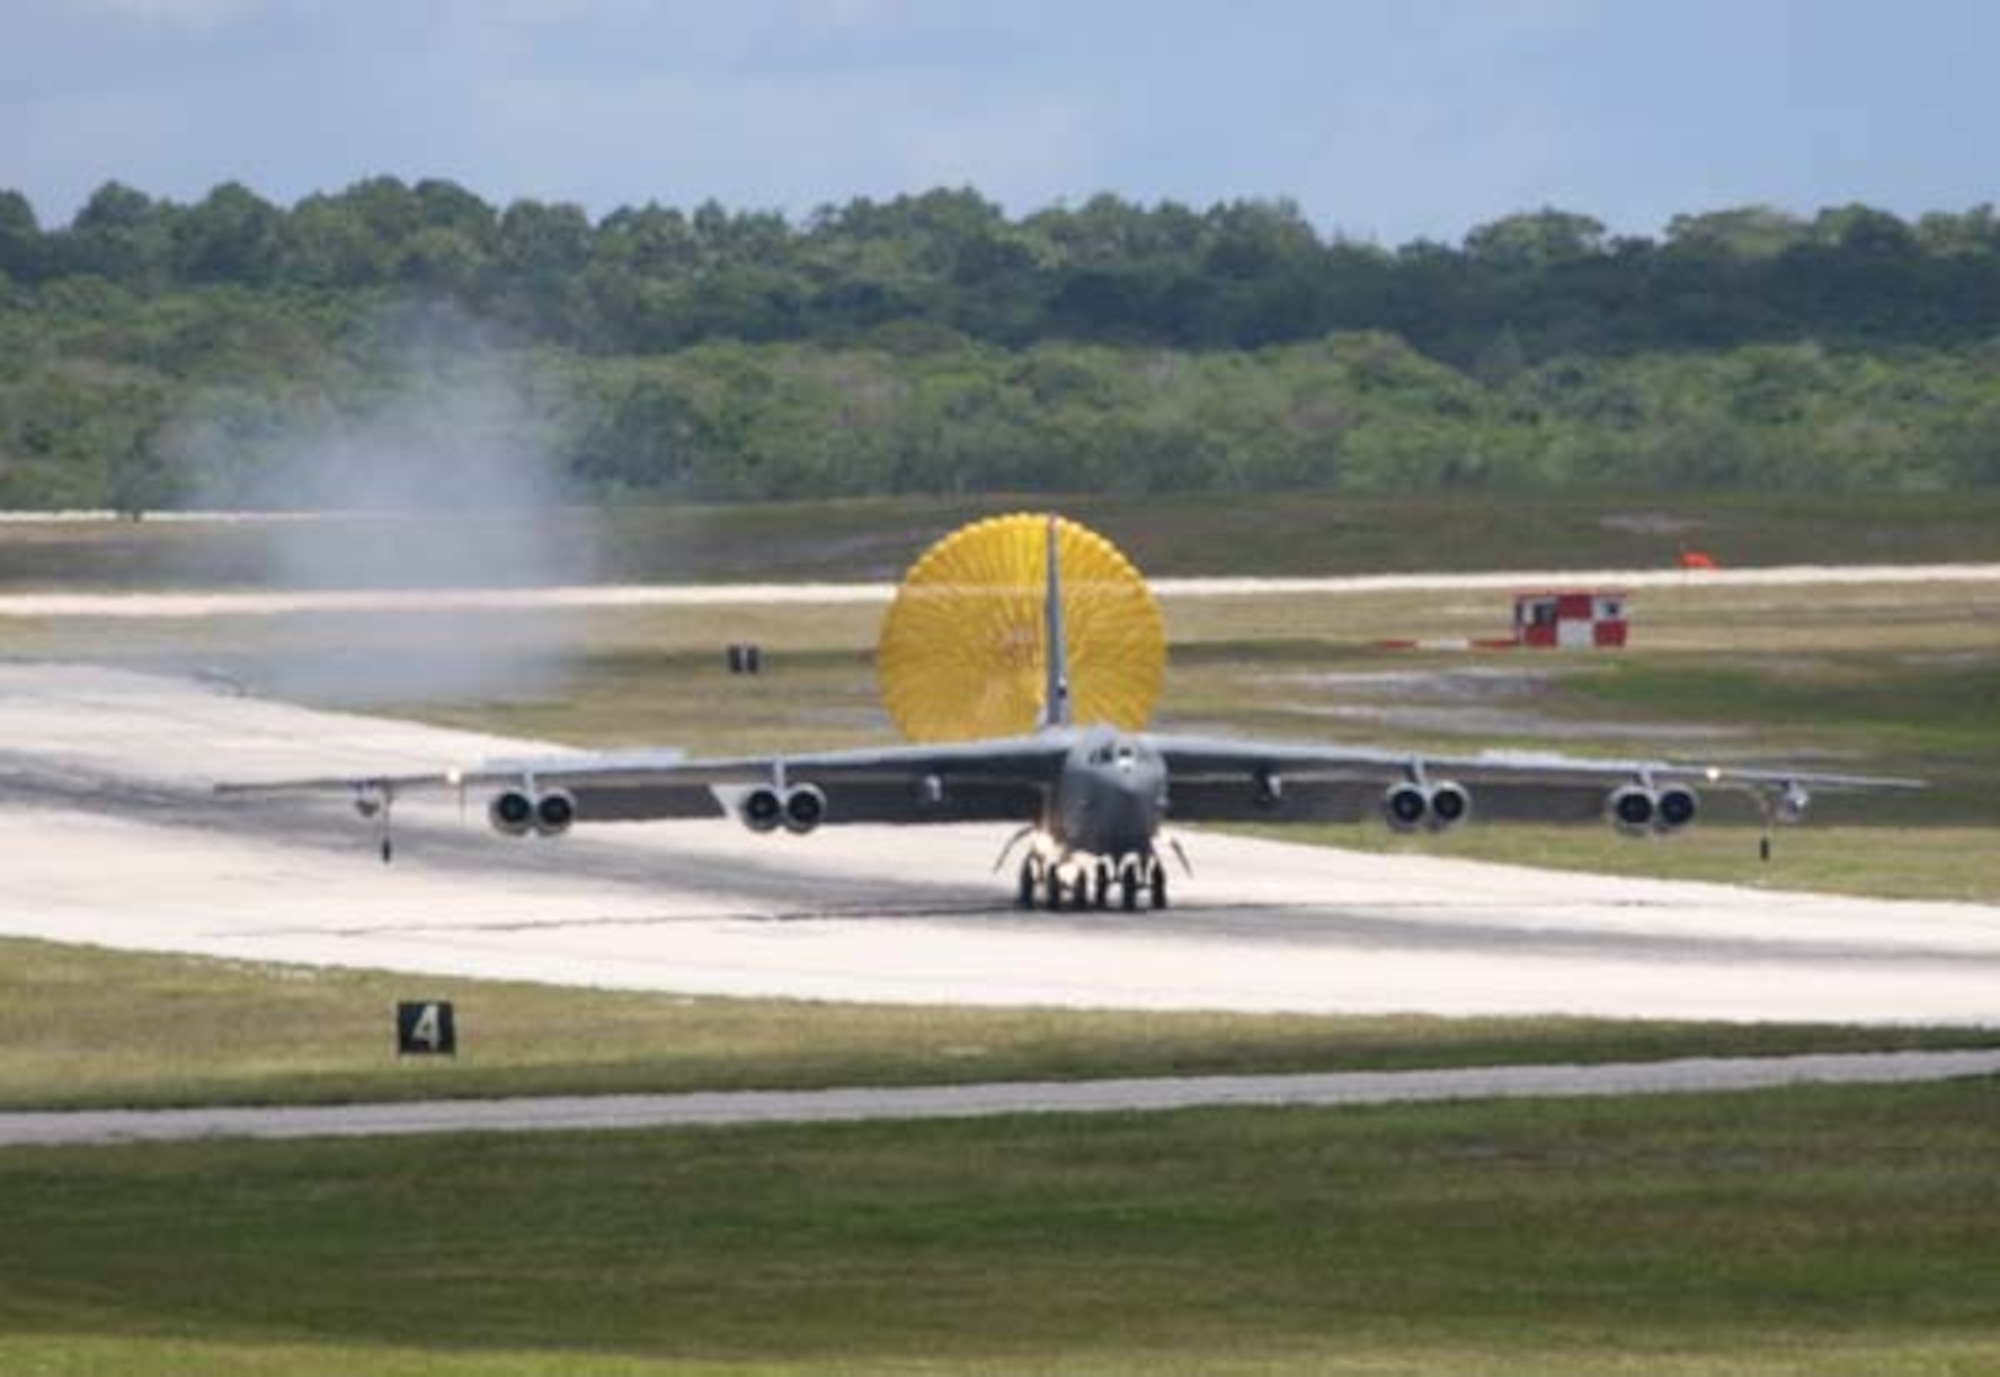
1154,1094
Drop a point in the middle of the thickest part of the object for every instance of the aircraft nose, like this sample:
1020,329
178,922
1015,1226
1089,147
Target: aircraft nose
1137,789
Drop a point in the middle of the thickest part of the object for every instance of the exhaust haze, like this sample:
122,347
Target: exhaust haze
442,475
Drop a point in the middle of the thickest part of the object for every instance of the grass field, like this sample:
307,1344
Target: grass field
1802,1231
85,1027
1252,533
1959,864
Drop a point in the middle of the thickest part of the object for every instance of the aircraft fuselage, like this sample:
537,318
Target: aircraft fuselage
1109,797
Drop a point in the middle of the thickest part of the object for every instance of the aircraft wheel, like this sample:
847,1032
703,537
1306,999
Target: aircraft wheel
1101,892
1128,887
1053,885
1026,896
1158,875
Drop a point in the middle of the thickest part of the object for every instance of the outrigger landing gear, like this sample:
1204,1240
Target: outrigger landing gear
378,801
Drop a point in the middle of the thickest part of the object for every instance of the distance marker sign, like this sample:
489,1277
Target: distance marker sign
426,1028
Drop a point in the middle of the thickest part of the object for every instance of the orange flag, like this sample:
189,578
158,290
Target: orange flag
1695,559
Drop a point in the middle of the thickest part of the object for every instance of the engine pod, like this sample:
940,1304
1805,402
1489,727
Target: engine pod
1632,808
1405,806
1676,808
1450,805
554,812
805,808
761,809
512,813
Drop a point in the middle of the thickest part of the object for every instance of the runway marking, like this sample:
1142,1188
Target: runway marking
598,1113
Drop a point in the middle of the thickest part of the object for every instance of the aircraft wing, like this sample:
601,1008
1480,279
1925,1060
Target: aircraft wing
1216,779
1005,779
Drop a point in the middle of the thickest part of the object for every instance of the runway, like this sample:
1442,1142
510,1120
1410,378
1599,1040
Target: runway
600,1113
113,838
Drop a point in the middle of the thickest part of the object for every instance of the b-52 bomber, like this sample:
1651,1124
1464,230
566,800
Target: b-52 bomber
980,636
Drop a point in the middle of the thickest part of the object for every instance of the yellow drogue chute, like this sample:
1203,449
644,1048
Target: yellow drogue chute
964,648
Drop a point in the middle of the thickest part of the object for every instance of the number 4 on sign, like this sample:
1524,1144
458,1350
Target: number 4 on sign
426,1028
426,1032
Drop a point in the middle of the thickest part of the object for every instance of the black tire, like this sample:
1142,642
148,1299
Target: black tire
1053,888
1159,885
1026,895
1101,891
1128,888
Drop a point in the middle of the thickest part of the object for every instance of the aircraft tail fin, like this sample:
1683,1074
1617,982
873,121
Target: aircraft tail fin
1055,695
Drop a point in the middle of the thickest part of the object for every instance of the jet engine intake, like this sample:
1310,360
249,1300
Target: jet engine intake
1450,805
512,813
1405,806
805,808
1632,809
761,809
1675,808
554,812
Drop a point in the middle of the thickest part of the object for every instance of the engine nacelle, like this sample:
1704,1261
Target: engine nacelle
762,810
1632,809
1450,805
1405,806
554,812
512,813
1675,808
1438,807
805,808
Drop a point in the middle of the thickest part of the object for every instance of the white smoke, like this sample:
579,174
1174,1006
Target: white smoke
442,476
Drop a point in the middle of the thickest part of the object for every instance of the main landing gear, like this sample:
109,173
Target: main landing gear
1072,886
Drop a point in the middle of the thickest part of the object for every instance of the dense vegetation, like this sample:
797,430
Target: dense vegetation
152,352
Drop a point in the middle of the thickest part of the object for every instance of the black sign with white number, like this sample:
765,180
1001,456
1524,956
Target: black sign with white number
425,1028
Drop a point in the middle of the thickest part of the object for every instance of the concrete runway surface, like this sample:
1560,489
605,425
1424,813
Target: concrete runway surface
597,1113
113,838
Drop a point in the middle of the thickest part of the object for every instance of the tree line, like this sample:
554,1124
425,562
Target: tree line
160,354
1239,275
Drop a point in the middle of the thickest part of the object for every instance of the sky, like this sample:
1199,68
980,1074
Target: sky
1384,121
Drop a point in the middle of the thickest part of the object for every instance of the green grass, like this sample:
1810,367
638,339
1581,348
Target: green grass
80,1026
876,538
1959,864
1801,1231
